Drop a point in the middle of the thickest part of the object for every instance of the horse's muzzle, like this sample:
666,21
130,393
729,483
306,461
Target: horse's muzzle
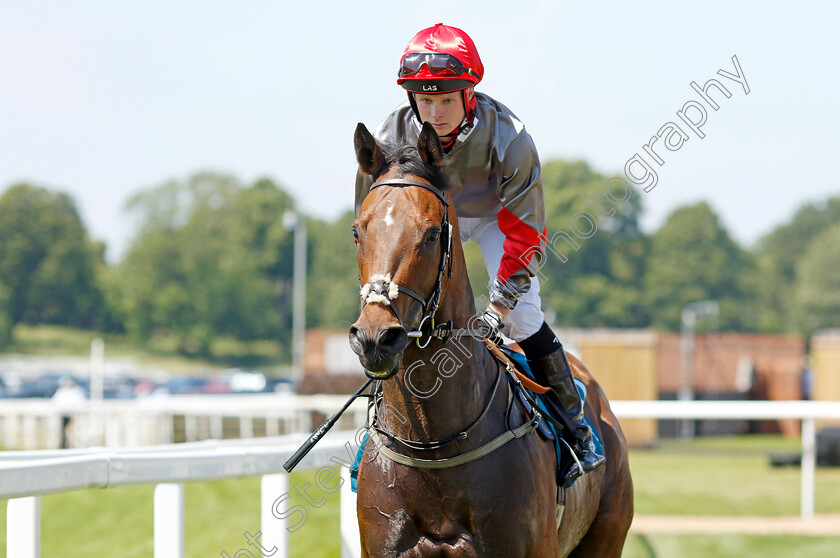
379,350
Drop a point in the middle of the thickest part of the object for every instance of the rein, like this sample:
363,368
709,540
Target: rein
477,453
433,445
509,434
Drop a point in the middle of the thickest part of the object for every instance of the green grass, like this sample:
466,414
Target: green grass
160,352
730,546
703,477
118,522
725,476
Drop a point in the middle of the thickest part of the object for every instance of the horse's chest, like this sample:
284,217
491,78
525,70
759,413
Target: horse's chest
451,514
404,525
437,506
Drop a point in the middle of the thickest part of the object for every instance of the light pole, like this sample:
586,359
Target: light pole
690,313
97,380
296,222
97,370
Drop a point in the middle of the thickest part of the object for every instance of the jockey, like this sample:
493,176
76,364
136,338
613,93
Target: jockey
498,195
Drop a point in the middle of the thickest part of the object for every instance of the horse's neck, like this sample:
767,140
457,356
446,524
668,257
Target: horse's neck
443,388
440,390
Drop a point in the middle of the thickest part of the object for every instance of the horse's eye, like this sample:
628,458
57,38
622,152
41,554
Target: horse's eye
356,236
433,238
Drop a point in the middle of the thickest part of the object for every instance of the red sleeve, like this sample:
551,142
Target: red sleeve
521,242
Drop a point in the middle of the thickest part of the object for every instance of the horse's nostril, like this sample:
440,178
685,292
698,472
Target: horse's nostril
358,341
392,340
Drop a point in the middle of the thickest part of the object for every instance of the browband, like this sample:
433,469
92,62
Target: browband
408,182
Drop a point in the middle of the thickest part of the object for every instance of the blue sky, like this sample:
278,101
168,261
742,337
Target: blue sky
102,99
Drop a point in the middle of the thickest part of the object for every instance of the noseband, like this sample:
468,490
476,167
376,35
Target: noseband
382,289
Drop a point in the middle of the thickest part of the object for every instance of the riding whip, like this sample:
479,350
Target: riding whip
307,446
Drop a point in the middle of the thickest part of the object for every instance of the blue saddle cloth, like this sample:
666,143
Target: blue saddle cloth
521,363
547,429
354,470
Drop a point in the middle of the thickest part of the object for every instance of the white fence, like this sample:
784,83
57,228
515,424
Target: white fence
37,423
24,476
806,411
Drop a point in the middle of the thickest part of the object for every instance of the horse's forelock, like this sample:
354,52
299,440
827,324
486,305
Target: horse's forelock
404,156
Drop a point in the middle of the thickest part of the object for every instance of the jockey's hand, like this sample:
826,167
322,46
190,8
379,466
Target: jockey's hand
500,310
492,320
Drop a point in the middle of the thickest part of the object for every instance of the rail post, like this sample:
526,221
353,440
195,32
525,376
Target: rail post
809,464
349,521
217,431
23,527
274,533
169,520
190,427
246,426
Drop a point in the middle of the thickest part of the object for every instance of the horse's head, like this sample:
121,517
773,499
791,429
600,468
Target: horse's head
404,238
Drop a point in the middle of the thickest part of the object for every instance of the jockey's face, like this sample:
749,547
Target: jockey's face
444,111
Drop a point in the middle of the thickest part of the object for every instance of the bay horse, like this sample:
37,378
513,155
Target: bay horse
435,483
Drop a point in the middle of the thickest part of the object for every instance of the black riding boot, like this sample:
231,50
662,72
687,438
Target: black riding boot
554,369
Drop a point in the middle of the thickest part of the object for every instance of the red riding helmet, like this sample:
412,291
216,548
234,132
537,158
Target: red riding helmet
440,59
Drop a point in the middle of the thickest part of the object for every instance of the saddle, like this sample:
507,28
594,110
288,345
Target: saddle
549,407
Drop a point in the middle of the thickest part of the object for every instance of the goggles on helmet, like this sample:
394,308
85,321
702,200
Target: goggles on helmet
439,64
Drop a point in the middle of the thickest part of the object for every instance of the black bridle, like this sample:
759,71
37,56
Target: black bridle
430,304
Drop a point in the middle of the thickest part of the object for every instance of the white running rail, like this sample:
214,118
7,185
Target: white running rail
31,424
806,411
24,476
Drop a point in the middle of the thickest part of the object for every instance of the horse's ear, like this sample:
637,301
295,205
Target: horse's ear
368,153
428,146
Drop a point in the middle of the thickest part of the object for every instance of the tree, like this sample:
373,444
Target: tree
778,255
596,253
258,265
213,258
46,260
693,258
817,287
598,284
787,243
333,282
5,317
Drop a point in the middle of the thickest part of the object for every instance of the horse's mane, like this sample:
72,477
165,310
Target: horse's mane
403,155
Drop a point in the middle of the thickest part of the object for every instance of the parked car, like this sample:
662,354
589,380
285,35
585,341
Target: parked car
181,385
248,382
216,385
